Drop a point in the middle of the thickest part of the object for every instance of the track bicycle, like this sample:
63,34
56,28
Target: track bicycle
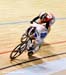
20,48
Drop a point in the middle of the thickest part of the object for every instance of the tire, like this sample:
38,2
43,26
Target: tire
18,50
23,38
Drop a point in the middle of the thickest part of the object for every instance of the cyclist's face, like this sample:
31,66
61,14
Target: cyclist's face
43,19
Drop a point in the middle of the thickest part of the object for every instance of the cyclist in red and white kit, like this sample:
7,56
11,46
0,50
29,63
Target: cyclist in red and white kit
43,17
41,26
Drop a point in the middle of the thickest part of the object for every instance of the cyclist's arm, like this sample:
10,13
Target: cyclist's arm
34,19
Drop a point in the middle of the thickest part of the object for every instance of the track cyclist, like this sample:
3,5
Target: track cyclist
41,26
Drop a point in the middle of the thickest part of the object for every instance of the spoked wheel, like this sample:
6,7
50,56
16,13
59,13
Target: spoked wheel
18,50
24,37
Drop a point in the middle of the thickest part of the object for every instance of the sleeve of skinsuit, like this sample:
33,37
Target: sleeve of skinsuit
34,19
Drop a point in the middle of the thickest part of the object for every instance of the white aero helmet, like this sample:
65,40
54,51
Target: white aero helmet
43,15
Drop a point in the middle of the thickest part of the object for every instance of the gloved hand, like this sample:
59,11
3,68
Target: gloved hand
31,22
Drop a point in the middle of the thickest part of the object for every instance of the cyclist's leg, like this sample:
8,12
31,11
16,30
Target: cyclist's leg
33,49
35,46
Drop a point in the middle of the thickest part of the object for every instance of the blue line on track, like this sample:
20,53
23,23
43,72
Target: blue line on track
20,22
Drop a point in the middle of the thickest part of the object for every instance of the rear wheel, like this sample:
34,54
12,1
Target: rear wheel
18,50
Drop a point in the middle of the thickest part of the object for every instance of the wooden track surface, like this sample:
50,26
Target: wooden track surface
14,20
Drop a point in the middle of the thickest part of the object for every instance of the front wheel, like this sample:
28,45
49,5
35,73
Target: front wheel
18,50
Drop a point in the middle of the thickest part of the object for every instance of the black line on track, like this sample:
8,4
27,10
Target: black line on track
6,67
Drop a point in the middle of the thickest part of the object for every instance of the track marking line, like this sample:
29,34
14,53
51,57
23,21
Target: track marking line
44,57
46,68
59,42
